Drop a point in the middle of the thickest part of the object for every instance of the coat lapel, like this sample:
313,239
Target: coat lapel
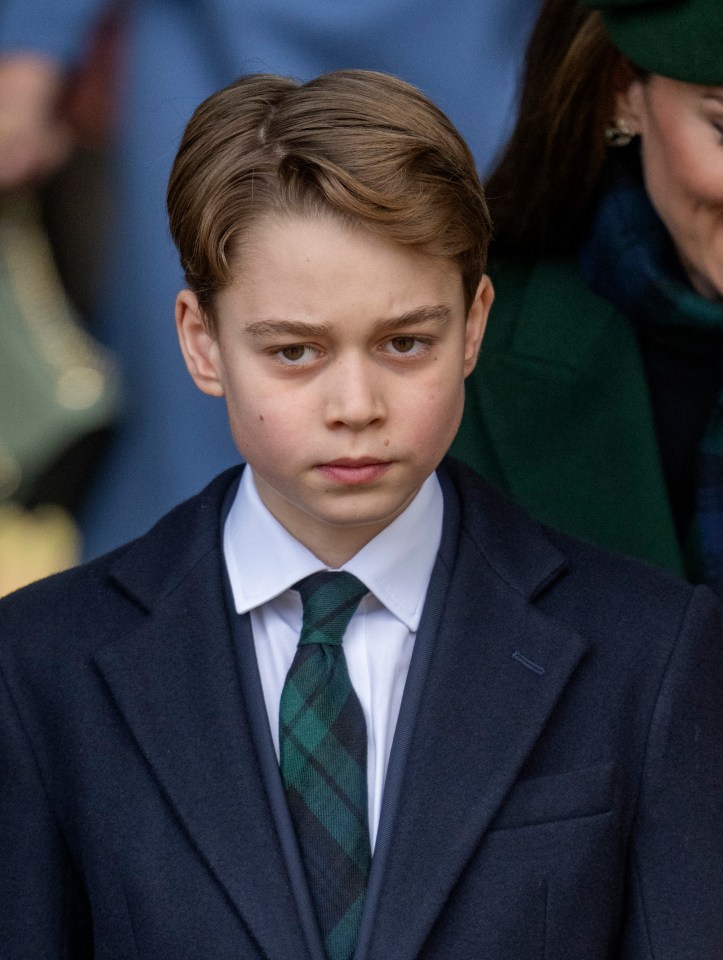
499,667
175,681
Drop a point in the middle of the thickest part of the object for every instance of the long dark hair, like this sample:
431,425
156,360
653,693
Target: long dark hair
542,191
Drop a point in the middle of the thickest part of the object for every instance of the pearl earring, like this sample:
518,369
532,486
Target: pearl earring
619,133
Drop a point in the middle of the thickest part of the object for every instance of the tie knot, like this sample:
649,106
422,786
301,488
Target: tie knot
329,600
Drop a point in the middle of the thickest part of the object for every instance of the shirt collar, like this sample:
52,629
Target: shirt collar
396,565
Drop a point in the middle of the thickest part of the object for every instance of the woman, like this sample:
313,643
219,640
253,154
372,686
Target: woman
597,402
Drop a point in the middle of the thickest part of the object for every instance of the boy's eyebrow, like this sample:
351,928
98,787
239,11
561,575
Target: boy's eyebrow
291,328
436,313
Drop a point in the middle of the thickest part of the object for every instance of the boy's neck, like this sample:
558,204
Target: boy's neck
332,552
333,544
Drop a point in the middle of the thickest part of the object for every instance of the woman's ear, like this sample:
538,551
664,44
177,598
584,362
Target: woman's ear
198,344
477,323
629,96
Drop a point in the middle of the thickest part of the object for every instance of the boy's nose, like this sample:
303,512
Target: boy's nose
355,396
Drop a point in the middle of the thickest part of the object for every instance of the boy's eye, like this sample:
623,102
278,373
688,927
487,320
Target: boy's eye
296,353
405,345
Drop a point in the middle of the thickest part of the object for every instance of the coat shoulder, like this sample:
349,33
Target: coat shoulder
597,591
84,607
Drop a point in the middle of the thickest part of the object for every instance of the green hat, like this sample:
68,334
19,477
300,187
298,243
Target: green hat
682,39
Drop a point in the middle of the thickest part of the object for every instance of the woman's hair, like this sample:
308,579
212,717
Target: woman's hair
543,190
363,147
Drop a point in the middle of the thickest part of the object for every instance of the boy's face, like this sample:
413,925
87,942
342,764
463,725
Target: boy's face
342,358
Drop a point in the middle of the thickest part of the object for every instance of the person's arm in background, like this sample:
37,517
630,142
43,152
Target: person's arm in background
40,42
34,139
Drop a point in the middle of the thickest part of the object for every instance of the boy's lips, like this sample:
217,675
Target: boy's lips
349,471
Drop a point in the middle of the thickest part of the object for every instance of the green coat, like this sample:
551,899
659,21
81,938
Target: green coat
558,414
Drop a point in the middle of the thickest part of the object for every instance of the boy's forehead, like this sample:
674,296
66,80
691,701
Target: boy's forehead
306,278
298,255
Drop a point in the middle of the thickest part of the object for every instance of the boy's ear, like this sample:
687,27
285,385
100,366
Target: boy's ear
477,323
198,345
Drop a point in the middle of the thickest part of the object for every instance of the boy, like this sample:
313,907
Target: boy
517,751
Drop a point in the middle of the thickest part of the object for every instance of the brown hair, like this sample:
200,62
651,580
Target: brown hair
362,146
543,190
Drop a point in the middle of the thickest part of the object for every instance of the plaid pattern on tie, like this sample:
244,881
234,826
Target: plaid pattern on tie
323,751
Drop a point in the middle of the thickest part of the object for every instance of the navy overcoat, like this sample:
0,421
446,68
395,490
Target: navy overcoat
554,792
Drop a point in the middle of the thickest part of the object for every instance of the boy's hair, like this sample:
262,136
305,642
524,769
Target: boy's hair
364,147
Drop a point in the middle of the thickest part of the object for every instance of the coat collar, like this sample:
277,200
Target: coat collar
153,566
513,545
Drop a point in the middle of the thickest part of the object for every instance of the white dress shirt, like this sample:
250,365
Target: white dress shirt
264,561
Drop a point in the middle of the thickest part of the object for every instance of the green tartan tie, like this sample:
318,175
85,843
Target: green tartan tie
323,756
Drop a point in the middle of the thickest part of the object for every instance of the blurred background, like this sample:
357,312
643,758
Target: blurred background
101,429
